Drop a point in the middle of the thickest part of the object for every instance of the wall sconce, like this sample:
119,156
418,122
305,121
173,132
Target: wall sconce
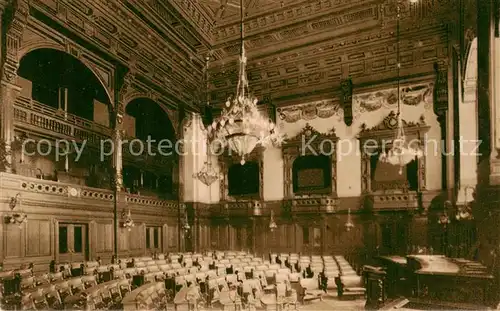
257,208
272,223
464,211
128,222
444,219
349,225
17,218
185,225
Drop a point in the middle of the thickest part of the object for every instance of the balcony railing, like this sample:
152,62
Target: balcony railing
52,190
37,115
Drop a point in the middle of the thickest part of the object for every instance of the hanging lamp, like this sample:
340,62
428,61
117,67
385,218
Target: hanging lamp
241,126
401,153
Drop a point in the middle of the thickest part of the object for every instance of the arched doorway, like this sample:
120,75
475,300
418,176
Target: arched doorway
61,81
148,122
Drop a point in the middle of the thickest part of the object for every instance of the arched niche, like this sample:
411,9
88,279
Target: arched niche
306,155
154,173
61,81
149,119
381,178
230,167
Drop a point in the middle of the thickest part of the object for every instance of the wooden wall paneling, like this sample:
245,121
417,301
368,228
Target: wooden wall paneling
38,238
37,244
14,242
103,237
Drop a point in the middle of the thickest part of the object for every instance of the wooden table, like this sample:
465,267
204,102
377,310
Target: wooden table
439,278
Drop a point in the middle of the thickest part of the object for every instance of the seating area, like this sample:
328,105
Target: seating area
185,280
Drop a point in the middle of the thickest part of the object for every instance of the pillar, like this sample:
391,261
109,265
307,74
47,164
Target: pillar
14,29
495,109
486,207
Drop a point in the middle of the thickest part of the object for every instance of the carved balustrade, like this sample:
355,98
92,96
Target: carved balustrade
63,195
33,115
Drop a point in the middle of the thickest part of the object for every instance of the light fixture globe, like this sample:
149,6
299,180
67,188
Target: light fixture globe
207,175
128,222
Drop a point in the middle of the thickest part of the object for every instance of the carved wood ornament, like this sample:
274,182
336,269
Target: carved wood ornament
382,135
346,86
16,25
309,142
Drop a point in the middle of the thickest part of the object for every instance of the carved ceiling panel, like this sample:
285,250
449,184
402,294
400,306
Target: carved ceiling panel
366,58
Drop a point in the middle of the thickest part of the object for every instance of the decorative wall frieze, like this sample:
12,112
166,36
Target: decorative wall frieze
411,95
320,109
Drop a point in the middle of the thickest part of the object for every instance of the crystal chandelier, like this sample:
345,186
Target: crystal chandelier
401,153
207,175
128,223
241,126
272,224
17,218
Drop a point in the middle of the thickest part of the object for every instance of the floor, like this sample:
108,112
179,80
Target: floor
331,302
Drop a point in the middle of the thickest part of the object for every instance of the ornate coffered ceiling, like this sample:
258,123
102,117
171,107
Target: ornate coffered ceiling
296,48
305,48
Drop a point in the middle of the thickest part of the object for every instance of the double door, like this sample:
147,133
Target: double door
73,242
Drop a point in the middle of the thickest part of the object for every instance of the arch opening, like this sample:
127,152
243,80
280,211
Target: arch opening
146,119
59,80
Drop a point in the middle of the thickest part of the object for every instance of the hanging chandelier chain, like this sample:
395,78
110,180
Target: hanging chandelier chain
242,81
398,57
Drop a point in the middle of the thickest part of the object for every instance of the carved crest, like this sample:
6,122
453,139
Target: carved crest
389,124
308,132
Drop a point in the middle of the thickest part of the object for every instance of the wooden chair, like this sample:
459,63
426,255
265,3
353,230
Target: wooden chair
350,287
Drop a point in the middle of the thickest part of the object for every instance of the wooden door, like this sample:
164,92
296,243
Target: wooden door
154,240
72,242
